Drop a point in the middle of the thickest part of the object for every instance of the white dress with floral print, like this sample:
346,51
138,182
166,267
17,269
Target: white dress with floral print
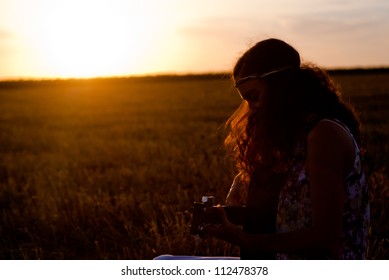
295,209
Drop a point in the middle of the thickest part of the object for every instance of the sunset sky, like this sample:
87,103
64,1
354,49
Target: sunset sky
87,38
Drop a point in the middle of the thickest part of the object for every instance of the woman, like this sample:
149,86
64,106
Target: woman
296,148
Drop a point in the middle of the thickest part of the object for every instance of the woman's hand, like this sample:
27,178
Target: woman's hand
224,230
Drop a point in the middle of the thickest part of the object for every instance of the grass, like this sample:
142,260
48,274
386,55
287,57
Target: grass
108,169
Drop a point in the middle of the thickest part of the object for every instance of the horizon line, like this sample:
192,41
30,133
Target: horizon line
224,74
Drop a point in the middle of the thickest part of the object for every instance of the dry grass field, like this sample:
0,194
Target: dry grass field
109,168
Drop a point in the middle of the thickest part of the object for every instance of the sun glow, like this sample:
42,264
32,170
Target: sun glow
91,38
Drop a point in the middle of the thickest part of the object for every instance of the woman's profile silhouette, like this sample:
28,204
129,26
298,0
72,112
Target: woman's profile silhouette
297,149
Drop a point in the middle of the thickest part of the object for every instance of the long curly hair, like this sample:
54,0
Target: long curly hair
264,140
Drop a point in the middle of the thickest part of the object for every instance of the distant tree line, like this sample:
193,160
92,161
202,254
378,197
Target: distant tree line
164,77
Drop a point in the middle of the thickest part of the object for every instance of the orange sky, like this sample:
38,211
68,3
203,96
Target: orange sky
87,38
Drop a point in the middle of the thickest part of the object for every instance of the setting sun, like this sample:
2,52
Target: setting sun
92,38
88,38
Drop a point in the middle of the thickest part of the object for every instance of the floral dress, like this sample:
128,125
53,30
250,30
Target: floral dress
295,206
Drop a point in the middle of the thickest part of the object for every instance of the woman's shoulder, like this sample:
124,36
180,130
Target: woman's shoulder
331,130
330,140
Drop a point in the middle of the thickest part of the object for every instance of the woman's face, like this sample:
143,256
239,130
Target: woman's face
254,91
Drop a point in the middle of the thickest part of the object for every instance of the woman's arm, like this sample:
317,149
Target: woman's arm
237,193
329,149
